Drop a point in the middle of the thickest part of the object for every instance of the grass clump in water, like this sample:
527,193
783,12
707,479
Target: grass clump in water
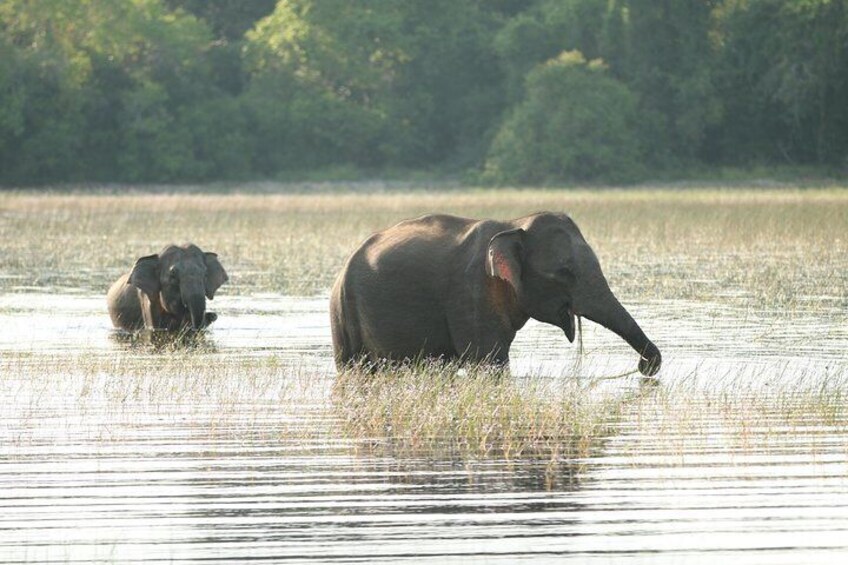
763,412
473,412
101,397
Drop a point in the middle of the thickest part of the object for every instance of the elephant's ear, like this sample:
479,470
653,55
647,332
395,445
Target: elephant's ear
215,274
145,275
503,259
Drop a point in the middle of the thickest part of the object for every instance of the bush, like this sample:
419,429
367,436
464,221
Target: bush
575,123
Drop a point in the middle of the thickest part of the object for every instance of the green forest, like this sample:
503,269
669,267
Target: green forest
501,91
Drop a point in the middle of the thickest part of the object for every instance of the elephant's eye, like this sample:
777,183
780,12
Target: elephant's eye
172,274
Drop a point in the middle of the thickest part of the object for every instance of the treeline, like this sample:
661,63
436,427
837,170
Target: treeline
515,91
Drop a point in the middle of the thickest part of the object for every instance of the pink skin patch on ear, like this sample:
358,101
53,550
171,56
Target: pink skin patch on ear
502,268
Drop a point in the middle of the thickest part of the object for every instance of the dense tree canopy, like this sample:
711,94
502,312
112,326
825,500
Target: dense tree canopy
531,91
574,121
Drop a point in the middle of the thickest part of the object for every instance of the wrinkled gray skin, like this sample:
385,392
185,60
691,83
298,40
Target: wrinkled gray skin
167,291
457,288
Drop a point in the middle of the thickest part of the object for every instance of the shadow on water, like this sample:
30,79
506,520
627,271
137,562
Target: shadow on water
162,341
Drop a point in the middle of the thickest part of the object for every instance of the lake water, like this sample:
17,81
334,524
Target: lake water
88,477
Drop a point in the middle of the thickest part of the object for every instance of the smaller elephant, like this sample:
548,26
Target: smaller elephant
167,291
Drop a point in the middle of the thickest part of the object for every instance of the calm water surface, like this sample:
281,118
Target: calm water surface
85,478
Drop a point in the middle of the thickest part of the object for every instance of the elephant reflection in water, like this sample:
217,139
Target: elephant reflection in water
158,341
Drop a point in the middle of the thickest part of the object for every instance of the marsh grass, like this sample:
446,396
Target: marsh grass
781,251
770,413
773,248
475,412
429,410
111,396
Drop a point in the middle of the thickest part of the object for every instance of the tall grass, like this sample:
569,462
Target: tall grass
112,396
784,252
474,411
804,411
431,410
769,247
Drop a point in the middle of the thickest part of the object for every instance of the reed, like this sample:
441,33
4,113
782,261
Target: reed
471,410
782,251
783,248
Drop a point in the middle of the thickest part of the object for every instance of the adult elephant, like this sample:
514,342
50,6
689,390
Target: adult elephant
167,290
458,288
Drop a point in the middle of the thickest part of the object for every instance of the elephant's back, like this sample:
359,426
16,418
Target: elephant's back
421,247
118,291
124,305
393,289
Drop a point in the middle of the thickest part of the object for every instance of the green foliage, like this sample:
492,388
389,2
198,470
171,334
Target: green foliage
378,83
151,142
544,30
317,82
576,123
229,19
667,60
97,90
784,76
175,90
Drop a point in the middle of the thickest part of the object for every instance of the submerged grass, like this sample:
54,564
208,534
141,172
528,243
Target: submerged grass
113,396
474,411
430,410
763,413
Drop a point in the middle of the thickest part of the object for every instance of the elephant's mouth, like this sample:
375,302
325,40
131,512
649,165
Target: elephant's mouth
566,316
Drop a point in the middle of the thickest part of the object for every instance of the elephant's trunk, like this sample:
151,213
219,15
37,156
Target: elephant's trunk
196,305
609,313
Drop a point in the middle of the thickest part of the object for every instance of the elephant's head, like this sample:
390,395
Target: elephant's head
556,276
182,278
